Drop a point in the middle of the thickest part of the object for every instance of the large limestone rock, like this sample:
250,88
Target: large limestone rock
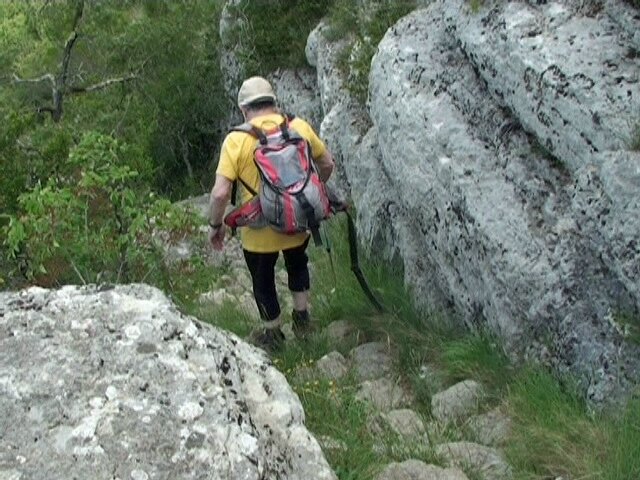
569,77
514,204
116,383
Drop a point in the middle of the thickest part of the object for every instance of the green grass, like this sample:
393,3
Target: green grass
629,324
478,357
555,435
476,5
622,456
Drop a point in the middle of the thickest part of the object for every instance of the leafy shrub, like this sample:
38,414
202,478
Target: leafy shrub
94,224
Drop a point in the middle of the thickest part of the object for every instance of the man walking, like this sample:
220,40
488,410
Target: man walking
262,246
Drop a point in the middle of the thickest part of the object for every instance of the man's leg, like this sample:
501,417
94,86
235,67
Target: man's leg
262,269
297,264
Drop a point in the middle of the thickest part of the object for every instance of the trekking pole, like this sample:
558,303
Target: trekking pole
339,205
355,266
328,248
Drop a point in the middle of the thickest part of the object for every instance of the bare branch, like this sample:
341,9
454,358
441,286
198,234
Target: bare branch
185,154
51,110
42,78
101,85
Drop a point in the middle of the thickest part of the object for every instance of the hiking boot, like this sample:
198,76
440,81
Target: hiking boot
302,327
269,339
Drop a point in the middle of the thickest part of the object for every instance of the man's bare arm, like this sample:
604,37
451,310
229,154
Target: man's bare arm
220,196
325,165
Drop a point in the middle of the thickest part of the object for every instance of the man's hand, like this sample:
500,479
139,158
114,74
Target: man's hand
220,196
216,237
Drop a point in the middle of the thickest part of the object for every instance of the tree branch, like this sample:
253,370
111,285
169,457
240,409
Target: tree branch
66,57
78,14
59,86
101,85
185,154
42,78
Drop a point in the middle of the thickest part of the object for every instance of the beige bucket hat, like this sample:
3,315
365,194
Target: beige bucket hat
255,89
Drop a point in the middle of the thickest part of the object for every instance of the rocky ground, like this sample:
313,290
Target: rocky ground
458,411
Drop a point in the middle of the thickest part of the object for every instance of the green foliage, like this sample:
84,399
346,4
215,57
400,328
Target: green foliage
628,325
475,5
170,111
273,33
93,223
365,30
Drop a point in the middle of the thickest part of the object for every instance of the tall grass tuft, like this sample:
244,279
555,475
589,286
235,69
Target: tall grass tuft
554,435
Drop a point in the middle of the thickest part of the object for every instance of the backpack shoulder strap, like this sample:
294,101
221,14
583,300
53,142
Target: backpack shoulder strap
285,128
256,133
252,130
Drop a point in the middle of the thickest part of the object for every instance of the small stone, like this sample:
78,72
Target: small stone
491,428
383,394
332,366
340,331
456,402
486,461
139,475
417,470
190,411
371,360
111,393
405,423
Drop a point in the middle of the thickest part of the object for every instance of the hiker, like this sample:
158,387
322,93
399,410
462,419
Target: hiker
261,246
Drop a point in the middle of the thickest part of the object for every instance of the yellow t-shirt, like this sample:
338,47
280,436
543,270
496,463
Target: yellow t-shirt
236,161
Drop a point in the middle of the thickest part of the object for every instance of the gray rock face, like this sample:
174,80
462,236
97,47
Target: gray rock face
453,173
231,24
298,94
568,77
115,383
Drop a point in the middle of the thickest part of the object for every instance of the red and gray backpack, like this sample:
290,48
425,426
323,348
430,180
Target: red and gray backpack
291,197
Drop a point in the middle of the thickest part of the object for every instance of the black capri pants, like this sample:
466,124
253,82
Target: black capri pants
262,270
